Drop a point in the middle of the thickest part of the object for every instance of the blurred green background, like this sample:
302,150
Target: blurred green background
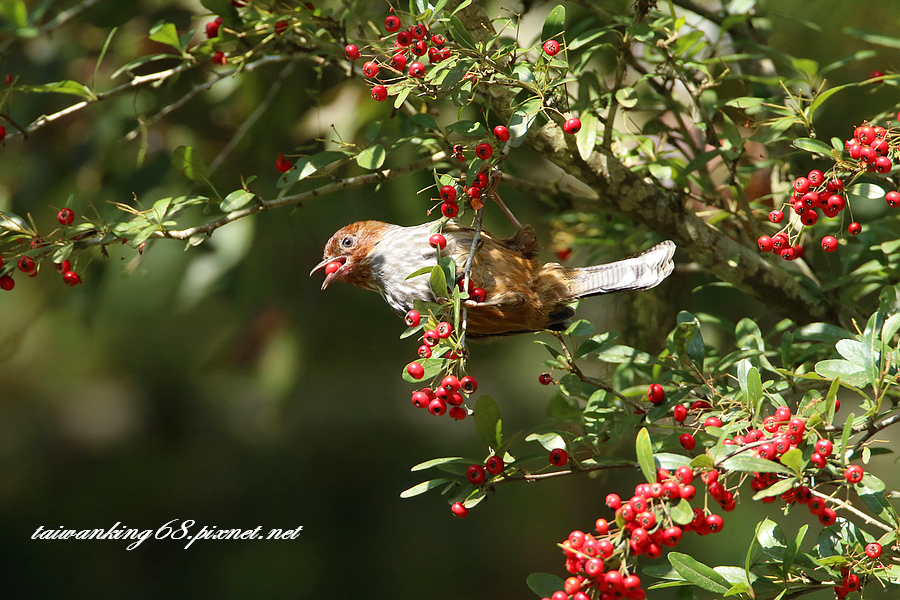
221,385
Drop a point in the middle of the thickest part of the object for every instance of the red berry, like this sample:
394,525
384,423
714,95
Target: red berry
416,70
776,216
613,501
444,329
219,58
280,27
212,29
413,318
572,126
854,473
501,133
380,93
824,447
765,243
475,474
873,550
351,52
437,241
449,209
459,510
26,265
66,216
282,164
687,441
893,199
714,523
450,383
551,47
559,457
71,278
854,228
420,399
418,32
484,151
827,517
801,184
404,38
420,48
545,378
494,465
563,253
656,394
61,267
437,407
6,282
883,164
424,351
474,192
829,243
370,68
816,178
448,193
457,413
415,370
392,23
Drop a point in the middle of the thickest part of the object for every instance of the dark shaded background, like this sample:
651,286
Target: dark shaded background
221,385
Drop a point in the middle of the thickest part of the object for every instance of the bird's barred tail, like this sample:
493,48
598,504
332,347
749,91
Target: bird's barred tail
641,272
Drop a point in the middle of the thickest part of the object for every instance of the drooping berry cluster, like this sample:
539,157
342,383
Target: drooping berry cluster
26,263
872,149
405,61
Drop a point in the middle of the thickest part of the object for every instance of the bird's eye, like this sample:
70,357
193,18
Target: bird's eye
348,241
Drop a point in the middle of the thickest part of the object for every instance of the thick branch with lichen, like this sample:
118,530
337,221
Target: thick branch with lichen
665,211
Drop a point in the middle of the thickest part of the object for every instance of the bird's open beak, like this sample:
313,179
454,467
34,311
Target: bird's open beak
331,276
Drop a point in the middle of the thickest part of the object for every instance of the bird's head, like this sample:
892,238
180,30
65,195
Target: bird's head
347,253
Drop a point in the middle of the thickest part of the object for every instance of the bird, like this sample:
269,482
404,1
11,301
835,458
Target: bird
522,294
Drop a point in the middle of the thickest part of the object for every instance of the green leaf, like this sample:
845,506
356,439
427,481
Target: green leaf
793,459
554,24
822,332
165,33
813,146
372,157
438,282
586,138
844,370
845,435
425,486
460,33
236,199
581,327
688,339
682,513
310,165
645,455
627,97
189,163
544,584
434,462
626,354
776,489
433,366
66,86
15,12
698,573
865,191
874,38
63,252
487,421
752,464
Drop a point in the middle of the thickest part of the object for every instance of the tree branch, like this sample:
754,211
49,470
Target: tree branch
665,211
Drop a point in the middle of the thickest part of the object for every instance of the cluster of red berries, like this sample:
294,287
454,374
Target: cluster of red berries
600,562
410,47
850,581
26,264
450,395
494,466
871,149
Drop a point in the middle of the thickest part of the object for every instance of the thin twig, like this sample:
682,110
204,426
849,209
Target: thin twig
552,474
847,506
